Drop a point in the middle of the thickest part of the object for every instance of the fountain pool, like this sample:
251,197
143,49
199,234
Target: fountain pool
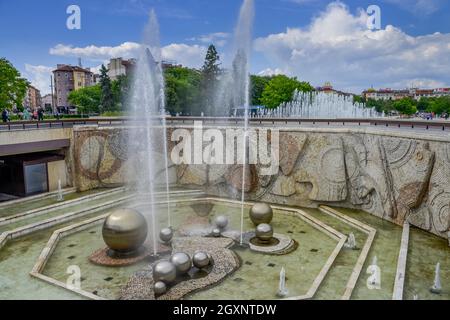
320,264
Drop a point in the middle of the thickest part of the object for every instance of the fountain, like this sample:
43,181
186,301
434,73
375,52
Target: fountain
241,73
316,105
60,196
147,104
351,242
234,86
436,288
282,290
374,280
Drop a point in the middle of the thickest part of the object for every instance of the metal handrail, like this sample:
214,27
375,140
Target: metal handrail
378,122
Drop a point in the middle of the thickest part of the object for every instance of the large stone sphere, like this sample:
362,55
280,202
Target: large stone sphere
124,230
182,262
159,288
164,271
264,232
221,222
261,213
201,259
166,235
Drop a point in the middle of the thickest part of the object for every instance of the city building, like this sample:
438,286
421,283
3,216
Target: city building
47,102
69,78
32,99
414,93
328,88
120,67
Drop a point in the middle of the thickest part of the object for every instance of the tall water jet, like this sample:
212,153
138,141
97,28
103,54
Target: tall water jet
241,82
147,106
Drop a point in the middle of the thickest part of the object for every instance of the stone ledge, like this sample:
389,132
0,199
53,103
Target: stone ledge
59,205
37,197
401,264
41,225
371,232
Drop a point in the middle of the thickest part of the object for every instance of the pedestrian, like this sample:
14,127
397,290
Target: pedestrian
40,114
5,115
26,114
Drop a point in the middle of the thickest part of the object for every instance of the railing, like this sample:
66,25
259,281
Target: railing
389,123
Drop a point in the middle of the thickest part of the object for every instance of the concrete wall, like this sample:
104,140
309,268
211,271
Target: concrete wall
26,136
57,170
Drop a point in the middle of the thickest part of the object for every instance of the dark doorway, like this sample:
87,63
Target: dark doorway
26,174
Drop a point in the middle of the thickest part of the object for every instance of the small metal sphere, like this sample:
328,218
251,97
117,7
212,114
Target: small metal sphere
216,232
264,232
164,271
261,213
182,262
166,234
124,230
201,259
221,222
159,288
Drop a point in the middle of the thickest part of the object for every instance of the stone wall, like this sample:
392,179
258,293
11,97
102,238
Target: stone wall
100,158
396,176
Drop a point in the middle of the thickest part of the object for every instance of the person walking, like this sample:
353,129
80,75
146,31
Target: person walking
40,114
5,116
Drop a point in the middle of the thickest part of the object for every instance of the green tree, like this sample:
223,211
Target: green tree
258,84
121,89
405,106
87,99
280,89
182,90
209,77
107,98
423,104
12,86
439,105
359,99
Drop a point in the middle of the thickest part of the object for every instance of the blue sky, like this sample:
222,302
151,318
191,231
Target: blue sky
315,40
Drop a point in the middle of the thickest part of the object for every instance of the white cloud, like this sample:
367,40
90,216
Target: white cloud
219,39
338,47
422,7
188,55
271,72
39,76
92,52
